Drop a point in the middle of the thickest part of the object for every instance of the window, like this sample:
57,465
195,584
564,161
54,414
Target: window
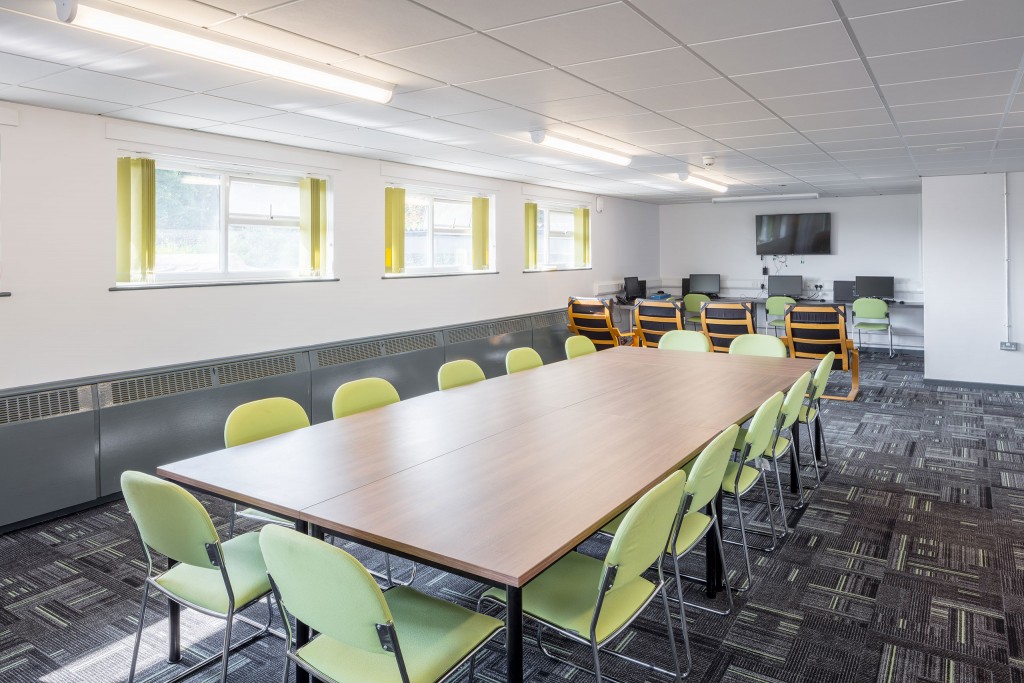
190,223
557,237
436,232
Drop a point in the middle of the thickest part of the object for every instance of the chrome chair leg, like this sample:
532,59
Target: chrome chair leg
231,524
138,631
746,552
782,501
725,568
227,647
892,354
771,515
672,635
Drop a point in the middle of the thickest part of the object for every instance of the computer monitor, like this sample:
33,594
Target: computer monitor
786,285
705,283
842,291
633,288
877,287
686,287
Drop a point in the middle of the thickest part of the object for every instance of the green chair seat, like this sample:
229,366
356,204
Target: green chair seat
695,319
871,327
748,477
434,635
565,596
691,530
804,416
781,444
205,587
777,322
459,373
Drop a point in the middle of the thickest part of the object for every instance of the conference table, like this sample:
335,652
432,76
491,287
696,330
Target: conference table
497,480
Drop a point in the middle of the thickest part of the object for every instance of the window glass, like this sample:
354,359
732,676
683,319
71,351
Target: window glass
187,222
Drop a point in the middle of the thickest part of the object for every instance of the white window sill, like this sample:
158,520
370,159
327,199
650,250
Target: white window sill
555,269
130,286
405,276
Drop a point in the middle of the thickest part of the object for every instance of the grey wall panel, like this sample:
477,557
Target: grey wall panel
144,434
47,463
549,335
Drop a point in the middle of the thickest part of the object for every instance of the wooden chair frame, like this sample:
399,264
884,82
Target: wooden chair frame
846,352
647,334
595,318
741,325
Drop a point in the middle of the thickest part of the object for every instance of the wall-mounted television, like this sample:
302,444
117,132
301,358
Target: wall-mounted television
794,233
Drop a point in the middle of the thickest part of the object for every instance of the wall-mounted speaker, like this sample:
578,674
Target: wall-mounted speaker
599,204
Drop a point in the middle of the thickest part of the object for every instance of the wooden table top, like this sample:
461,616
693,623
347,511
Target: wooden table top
499,479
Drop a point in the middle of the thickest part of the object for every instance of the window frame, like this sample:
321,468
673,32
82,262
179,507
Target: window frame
548,205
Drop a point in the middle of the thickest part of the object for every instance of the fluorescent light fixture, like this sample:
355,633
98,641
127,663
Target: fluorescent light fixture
702,182
764,197
542,137
221,53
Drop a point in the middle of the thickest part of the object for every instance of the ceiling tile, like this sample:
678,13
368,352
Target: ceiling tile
157,66
805,151
580,108
646,70
216,108
285,41
446,60
950,138
807,79
662,137
881,130
685,148
270,92
1015,118
435,130
943,89
487,15
761,141
939,25
722,131
94,85
43,98
961,123
637,123
694,21
366,114
658,163
946,62
825,103
697,94
55,42
536,86
784,49
443,101
839,119
950,109
238,131
891,154
404,81
187,11
244,6
871,143
602,32
17,70
859,8
363,26
507,120
748,110
162,118
298,124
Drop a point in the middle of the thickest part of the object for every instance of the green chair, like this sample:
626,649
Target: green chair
743,475
578,345
810,412
521,359
591,601
874,315
459,373
216,579
685,340
691,308
361,395
363,634
758,345
775,312
258,420
358,396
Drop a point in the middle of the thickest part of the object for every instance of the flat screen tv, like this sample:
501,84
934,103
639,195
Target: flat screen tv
794,233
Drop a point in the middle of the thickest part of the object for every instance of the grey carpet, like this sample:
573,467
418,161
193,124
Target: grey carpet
907,566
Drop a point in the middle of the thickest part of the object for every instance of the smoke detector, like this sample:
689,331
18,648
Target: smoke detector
708,160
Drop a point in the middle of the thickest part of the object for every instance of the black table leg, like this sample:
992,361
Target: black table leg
713,561
819,441
301,629
794,459
173,627
514,633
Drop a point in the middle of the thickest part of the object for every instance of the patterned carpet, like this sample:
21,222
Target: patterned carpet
907,566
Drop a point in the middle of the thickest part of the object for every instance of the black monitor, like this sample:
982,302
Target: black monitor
842,291
705,283
876,287
786,285
633,287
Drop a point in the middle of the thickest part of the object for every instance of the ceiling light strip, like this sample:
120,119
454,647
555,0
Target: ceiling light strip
545,138
702,182
764,197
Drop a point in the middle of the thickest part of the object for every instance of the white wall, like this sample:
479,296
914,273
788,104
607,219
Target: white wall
870,236
57,222
964,270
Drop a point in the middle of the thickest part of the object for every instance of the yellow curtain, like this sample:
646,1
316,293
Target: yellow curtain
313,225
136,219
581,236
531,236
394,229
481,232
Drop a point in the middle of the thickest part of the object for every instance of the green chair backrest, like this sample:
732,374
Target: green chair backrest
776,305
523,358
762,425
684,340
361,395
821,374
458,373
578,345
758,345
692,302
644,532
170,519
325,587
708,469
263,418
872,309
795,399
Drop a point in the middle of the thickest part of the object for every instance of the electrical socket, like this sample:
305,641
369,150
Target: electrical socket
762,285
764,270
1007,346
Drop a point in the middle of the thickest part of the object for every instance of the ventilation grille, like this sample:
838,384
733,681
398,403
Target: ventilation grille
153,386
45,404
467,334
510,326
417,342
347,354
247,370
558,318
